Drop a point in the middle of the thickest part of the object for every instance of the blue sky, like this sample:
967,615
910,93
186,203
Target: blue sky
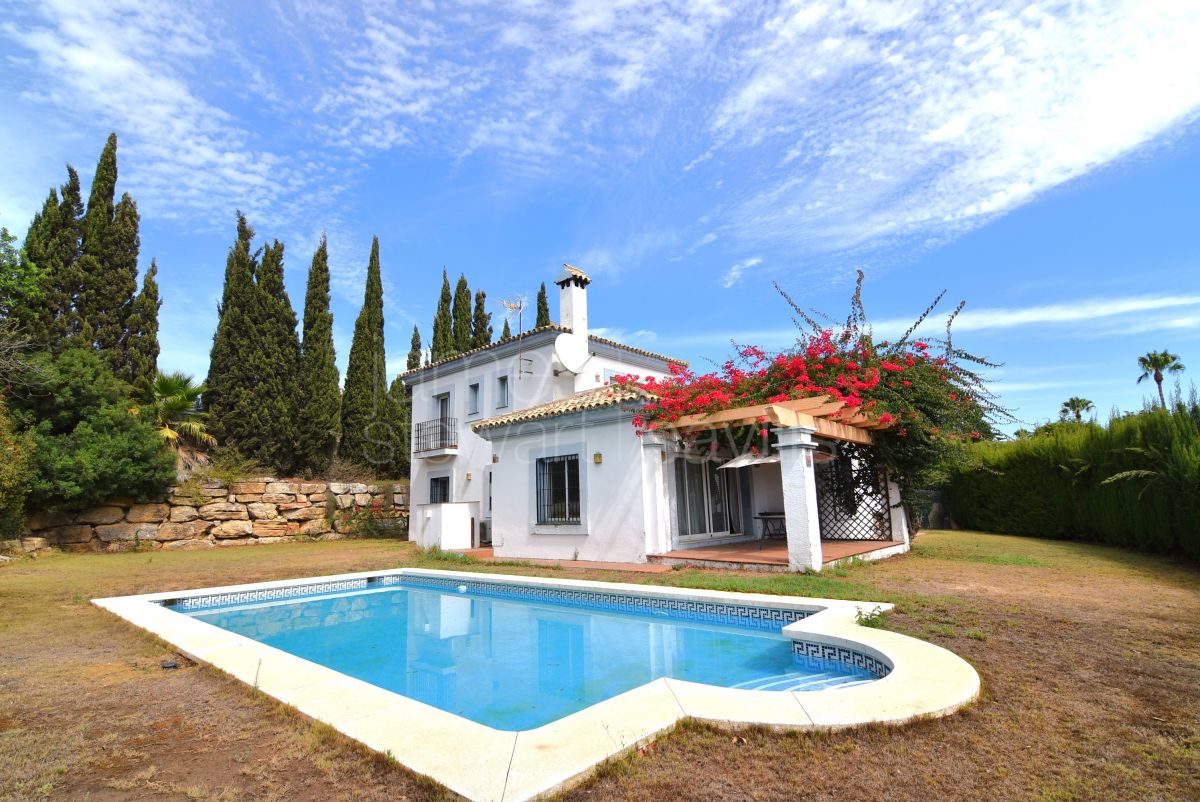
1040,161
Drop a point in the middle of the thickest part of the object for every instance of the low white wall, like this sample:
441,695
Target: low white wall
444,526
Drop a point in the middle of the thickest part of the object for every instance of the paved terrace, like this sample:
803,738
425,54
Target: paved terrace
772,556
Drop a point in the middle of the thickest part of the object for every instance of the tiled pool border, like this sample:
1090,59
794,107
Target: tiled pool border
486,764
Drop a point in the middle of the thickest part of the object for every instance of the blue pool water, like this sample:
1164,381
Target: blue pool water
516,663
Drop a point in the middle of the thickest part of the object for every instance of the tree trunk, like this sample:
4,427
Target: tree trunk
1158,377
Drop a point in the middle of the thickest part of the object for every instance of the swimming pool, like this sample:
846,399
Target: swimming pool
506,688
514,663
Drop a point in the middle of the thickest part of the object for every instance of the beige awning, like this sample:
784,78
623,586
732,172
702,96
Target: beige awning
746,460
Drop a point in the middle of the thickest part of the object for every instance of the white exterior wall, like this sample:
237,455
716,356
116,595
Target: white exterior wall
531,381
474,454
620,508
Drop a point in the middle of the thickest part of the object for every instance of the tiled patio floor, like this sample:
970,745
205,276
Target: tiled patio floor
773,554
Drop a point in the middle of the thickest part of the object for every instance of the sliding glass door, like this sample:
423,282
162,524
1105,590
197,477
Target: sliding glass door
701,500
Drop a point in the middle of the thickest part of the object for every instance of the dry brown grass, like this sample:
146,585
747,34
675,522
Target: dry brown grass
1090,659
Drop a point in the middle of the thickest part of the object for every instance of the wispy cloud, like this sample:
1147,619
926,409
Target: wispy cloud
734,274
830,128
1089,317
1086,310
132,67
639,337
912,119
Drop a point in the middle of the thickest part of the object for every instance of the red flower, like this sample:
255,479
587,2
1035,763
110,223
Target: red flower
763,433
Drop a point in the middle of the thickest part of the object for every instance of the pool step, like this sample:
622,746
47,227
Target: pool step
791,682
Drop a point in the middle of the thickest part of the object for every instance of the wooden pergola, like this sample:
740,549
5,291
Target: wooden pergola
812,413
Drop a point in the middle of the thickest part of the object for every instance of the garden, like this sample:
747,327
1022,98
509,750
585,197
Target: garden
1089,655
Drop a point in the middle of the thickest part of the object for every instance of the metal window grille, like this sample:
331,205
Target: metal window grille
558,489
439,490
434,434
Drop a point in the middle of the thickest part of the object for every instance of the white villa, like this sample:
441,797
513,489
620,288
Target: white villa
525,446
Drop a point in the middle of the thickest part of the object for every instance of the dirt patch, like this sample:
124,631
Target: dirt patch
1090,659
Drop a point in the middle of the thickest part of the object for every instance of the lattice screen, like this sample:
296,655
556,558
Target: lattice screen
852,502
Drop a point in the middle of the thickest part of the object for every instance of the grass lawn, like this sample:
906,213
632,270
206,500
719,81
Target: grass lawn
1090,658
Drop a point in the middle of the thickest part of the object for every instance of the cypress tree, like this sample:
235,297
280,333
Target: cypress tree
108,264
481,322
442,346
52,250
141,348
400,395
543,308
231,381
506,334
320,395
400,402
367,414
275,356
462,316
414,352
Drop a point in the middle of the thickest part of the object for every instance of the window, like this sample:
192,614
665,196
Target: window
439,489
699,498
473,399
442,404
501,391
558,490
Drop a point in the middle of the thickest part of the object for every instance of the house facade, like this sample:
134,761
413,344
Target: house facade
526,446
456,474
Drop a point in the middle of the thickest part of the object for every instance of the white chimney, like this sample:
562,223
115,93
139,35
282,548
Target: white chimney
572,300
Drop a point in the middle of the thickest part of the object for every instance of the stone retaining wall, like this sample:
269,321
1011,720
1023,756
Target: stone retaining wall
208,514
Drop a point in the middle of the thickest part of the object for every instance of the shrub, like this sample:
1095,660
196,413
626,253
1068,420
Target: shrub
17,448
380,519
1133,483
227,466
90,444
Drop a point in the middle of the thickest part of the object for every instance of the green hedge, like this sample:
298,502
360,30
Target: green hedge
1133,483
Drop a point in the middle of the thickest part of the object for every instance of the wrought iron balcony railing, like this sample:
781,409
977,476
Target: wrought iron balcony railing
432,435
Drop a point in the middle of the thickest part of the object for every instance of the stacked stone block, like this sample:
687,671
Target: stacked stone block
211,515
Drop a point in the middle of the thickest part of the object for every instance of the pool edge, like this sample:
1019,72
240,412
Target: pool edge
925,681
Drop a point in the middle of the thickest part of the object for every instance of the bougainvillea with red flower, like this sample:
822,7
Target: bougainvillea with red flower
930,398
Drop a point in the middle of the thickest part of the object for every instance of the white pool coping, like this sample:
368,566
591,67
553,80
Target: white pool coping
490,765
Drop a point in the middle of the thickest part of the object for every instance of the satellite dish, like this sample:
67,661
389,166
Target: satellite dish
571,352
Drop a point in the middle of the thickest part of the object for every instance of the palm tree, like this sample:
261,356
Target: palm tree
172,401
1076,406
1154,364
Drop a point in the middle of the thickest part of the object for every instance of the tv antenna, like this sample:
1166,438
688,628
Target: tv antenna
516,305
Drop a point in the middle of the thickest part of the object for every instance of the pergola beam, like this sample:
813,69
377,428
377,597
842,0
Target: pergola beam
808,412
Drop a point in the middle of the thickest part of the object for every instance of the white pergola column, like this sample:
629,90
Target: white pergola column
796,446
655,498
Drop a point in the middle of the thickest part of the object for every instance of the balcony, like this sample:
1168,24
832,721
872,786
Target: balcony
436,438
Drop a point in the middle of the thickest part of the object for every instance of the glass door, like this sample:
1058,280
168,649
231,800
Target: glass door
700,502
